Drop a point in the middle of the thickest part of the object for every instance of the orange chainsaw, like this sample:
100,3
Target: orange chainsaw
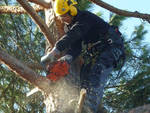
57,70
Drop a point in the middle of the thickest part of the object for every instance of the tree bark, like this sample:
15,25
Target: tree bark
56,27
56,30
34,65
23,71
18,9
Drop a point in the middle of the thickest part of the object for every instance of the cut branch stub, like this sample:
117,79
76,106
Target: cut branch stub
81,101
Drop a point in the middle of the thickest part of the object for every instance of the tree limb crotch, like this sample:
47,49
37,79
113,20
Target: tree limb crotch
38,20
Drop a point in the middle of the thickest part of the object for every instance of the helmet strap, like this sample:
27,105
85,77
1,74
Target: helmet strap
69,2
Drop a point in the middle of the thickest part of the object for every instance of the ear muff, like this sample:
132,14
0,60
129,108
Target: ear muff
73,10
61,7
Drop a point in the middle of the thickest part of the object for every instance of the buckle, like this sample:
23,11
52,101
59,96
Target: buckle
110,41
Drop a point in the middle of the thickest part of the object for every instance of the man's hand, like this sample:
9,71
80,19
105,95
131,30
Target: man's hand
67,58
50,56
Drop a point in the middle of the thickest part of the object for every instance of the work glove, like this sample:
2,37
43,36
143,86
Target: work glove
50,56
67,58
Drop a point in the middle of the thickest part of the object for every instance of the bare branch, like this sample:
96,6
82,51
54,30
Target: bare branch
34,66
38,20
122,12
18,9
23,71
42,3
81,101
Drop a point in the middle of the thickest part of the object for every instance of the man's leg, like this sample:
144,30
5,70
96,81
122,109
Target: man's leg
95,81
94,91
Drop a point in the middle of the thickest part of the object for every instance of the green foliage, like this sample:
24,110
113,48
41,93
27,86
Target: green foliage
131,84
116,20
20,37
127,87
138,34
99,14
84,4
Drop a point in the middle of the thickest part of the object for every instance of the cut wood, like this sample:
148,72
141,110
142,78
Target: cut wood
81,101
33,91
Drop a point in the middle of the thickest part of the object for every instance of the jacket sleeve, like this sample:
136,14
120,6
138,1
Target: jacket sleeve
75,49
77,32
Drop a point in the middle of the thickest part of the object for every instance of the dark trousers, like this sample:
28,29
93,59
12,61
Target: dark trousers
95,79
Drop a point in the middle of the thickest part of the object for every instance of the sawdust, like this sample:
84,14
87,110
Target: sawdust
63,98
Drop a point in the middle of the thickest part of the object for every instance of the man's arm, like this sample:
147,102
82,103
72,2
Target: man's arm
75,49
77,32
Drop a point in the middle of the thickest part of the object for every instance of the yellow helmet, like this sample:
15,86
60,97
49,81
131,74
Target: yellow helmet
63,6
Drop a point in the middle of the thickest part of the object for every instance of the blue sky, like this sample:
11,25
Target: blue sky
142,6
129,5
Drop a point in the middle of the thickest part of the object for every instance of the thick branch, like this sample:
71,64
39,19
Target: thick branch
18,9
38,20
34,66
41,3
122,12
23,71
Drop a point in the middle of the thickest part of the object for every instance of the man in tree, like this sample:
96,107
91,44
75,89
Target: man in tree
104,48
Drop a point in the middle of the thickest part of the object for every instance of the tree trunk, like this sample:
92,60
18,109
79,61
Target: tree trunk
25,72
55,25
58,101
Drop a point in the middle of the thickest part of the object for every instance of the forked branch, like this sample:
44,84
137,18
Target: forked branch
38,20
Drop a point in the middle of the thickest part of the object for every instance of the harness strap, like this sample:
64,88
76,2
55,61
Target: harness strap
111,40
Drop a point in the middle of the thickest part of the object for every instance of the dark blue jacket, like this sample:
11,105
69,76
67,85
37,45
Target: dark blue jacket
85,27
